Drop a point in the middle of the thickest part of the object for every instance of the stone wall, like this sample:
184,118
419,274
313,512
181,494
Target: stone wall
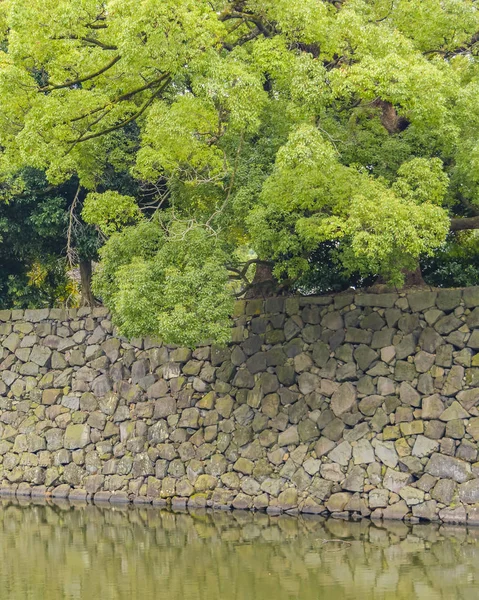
354,405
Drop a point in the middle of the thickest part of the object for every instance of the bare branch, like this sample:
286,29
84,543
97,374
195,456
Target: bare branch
232,182
72,220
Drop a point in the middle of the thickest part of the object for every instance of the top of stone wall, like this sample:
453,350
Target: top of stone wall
415,301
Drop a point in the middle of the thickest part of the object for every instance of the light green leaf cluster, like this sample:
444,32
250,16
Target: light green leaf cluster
167,281
388,233
110,210
176,141
307,21
311,197
422,180
434,24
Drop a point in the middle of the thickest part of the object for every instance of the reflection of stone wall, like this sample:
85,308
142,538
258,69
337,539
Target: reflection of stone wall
96,552
359,404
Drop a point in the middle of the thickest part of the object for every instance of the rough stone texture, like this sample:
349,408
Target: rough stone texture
353,404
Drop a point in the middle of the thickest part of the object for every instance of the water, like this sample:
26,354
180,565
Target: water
90,552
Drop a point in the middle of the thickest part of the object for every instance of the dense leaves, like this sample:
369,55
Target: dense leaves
256,129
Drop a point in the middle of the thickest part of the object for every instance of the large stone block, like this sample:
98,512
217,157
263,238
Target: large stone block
449,467
77,436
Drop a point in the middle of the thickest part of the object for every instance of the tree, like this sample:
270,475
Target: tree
33,222
263,129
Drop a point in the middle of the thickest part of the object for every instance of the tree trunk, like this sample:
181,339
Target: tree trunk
414,278
264,283
87,298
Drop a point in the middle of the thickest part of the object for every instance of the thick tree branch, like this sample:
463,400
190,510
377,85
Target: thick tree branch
122,98
464,49
464,223
121,124
66,84
390,119
233,14
88,40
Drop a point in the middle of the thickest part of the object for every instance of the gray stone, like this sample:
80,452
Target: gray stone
370,404
307,430
426,511
382,339
396,512
288,499
424,446
411,495
333,320
77,436
432,407
453,515
40,355
448,299
404,371
380,300
373,321
447,324
444,356
444,491
453,412
321,354
354,481
424,361
358,336
189,418
469,492
422,300
289,437
363,452
343,399
430,340
378,499
408,395
448,467
364,356
308,382
341,454
394,481
386,386
471,296
406,347
454,381
12,342
408,323
386,453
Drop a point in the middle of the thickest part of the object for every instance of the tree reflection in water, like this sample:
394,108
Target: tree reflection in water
60,551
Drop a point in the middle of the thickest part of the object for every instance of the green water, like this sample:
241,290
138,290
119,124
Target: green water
95,553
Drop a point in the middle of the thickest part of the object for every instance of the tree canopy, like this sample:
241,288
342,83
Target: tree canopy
262,130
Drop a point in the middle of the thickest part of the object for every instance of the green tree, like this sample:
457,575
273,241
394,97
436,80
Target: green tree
263,129
33,223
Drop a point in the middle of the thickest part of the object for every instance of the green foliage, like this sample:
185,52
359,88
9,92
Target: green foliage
268,128
455,263
168,281
110,211
32,238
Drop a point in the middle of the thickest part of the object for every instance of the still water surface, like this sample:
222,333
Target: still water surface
88,552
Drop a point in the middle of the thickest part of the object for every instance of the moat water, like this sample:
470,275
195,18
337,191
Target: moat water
59,551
